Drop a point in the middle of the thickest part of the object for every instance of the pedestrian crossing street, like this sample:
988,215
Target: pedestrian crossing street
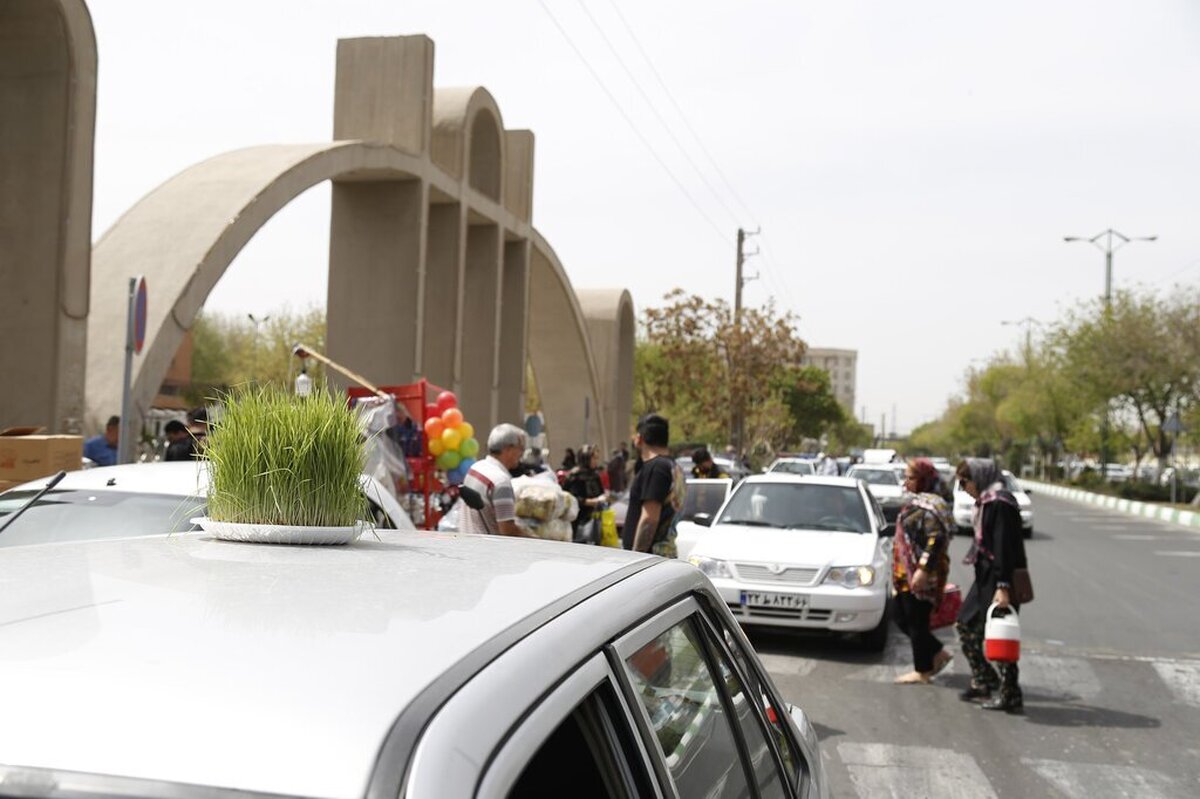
1075,682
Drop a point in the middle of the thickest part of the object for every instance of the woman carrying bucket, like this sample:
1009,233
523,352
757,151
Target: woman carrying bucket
998,549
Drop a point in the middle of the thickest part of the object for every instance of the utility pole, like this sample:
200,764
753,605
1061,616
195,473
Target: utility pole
1028,323
738,422
1108,249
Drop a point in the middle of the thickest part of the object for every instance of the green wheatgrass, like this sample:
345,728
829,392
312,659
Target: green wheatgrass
280,459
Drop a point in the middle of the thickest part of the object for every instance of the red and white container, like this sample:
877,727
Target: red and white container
1002,636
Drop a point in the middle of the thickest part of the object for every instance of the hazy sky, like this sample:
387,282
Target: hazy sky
913,166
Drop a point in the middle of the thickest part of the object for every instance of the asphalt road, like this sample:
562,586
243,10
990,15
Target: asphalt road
1110,668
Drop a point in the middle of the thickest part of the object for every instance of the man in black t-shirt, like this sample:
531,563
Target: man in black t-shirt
656,494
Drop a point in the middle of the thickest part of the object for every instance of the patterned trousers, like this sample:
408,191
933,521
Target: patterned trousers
983,674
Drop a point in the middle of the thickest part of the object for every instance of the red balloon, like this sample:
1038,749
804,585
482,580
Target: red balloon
445,401
432,411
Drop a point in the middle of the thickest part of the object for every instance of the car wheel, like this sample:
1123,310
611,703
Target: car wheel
875,640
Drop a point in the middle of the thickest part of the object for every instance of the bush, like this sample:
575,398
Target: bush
279,459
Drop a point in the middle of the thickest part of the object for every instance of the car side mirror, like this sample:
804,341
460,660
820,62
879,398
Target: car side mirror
703,519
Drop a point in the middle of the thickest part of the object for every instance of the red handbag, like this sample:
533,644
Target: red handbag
947,612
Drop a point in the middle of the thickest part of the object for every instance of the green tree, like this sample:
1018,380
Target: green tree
808,395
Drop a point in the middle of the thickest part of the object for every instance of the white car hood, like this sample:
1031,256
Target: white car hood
791,547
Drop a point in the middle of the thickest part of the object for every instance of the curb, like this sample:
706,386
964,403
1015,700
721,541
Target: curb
1149,510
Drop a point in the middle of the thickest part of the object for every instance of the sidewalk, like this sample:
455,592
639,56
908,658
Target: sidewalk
1149,510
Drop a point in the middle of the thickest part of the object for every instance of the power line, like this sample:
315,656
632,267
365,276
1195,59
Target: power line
679,110
657,114
629,120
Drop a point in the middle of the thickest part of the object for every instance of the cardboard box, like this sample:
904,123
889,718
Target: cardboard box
26,457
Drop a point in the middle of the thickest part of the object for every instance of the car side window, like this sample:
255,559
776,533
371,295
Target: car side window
789,753
687,714
591,754
762,760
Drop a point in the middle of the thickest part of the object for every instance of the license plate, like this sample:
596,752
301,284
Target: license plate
761,599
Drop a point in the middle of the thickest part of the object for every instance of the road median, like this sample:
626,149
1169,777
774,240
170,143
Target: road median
1148,510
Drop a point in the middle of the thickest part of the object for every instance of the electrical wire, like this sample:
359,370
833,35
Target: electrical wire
633,126
666,126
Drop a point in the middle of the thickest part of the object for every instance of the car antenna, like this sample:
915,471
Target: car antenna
55,480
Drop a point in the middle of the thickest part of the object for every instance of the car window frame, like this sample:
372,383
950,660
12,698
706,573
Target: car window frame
628,644
749,660
531,732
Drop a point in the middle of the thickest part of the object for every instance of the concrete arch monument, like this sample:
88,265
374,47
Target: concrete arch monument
434,267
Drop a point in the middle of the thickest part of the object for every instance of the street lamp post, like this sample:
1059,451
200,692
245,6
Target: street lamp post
258,322
1028,323
1108,248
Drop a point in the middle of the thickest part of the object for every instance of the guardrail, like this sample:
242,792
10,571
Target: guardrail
1149,510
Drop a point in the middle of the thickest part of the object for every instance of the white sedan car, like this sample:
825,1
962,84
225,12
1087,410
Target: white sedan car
964,506
885,481
802,552
139,499
792,466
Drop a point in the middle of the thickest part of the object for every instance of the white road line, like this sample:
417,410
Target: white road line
1179,554
896,659
1060,677
884,770
1101,781
788,665
1183,678
1136,537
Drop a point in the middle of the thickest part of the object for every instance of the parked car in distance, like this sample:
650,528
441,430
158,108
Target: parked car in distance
964,506
416,665
792,466
140,499
886,484
802,552
704,497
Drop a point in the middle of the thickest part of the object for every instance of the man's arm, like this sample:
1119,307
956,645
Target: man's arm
504,503
647,523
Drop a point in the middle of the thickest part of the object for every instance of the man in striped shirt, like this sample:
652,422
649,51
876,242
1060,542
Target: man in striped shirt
490,479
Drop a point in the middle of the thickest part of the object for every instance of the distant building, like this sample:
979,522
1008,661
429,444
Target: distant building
842,366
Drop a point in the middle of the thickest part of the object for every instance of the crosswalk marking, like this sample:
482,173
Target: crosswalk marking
1101,781
1179,554
884,770
788,665
1183,678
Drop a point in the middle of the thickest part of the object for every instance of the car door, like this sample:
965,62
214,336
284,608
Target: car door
703,719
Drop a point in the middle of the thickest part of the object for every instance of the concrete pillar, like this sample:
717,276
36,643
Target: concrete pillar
514,323
481,325
48,108
384,91
518,173
444,251
376,253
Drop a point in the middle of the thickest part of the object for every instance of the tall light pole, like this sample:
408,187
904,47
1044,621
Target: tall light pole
1107,247
258,322
737,432
1028,323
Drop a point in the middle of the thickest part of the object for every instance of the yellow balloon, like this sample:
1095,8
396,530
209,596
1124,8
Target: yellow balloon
466,430
436,447
451,438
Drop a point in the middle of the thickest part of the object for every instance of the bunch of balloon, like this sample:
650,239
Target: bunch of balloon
449,438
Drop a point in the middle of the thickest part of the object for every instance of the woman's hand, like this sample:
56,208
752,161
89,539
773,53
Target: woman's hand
1001,597
920,580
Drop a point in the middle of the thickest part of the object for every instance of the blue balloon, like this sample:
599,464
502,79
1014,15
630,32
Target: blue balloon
456,475
466,465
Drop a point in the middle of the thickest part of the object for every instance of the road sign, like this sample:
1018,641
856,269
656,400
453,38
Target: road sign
139,315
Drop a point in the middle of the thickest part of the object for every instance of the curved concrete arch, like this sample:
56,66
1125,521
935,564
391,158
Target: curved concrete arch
559,344
48,90
457,111
183,235
612,330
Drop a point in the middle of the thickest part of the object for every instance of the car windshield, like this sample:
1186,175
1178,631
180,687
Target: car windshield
879,477
794,467
798,506
702,498
1011,483
76,515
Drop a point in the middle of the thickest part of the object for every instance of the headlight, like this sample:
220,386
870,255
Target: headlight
711,567
851,576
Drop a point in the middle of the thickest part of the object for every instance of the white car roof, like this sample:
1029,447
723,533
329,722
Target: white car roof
808,479
259,668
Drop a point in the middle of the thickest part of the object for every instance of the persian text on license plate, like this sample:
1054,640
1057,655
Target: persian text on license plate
759,599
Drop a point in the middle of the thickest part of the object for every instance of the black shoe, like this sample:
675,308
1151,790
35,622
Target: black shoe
974,694
1007,705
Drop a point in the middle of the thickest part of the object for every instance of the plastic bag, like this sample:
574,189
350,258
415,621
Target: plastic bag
608,529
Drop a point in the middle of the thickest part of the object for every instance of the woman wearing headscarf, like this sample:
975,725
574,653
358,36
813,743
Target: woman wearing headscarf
584,482
998,549
920,565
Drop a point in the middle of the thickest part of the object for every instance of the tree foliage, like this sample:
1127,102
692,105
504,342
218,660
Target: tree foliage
699,365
